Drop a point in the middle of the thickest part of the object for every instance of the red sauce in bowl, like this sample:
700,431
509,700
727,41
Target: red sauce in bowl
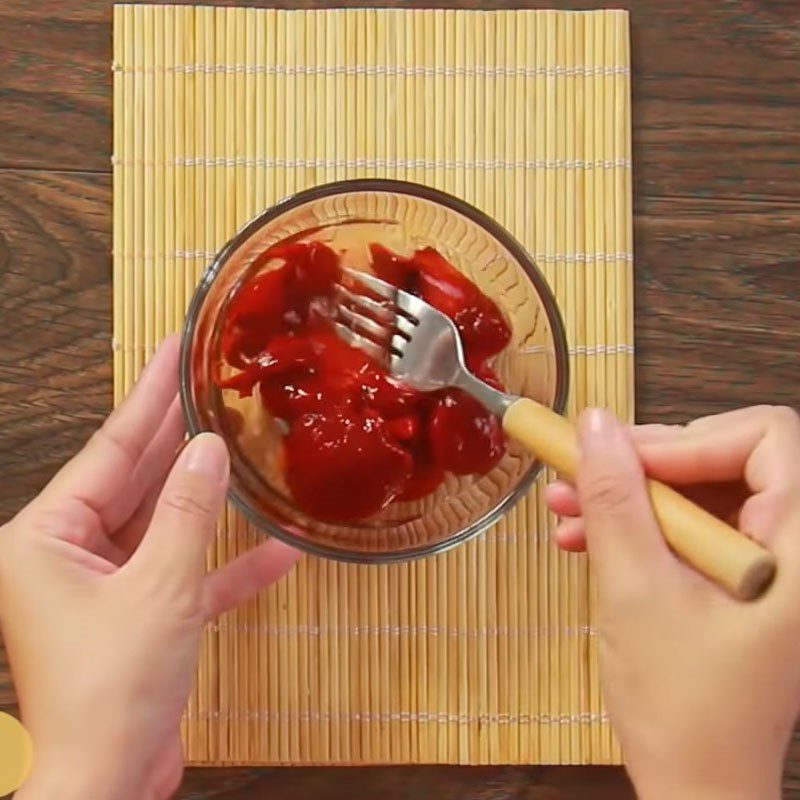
357,439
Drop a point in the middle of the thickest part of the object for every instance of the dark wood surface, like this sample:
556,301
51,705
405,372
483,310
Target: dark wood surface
717,236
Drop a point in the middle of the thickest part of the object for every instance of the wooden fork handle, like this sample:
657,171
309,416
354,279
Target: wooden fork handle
718,551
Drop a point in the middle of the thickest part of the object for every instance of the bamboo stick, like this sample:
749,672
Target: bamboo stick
161,172
148,200
137,273
119,155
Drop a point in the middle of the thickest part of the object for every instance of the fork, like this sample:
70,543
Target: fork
422,348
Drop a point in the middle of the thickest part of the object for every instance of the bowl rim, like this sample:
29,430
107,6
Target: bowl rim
392,186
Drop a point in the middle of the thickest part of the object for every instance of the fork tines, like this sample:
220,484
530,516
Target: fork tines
379,327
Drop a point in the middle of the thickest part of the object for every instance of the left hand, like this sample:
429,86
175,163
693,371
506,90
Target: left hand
103,597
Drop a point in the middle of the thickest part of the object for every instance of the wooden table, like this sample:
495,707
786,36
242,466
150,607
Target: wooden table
717,183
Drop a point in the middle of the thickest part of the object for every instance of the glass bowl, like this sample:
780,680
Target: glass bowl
401,216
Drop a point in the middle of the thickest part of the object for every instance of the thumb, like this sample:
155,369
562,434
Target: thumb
623,538
185,515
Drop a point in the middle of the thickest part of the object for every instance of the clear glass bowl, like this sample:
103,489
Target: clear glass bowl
401,216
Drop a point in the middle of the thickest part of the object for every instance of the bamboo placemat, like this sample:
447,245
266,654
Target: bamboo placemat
487,654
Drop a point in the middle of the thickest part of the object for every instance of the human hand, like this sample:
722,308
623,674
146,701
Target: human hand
702,690
103,597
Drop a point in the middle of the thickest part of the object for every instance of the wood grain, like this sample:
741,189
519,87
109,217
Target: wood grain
55,306
401,783
717,235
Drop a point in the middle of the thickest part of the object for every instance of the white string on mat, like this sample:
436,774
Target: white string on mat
435,717
381,163
542,258
399,630
382,70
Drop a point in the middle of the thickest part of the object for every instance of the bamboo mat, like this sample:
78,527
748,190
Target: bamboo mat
487,654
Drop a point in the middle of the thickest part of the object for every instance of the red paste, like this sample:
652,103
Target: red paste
357,439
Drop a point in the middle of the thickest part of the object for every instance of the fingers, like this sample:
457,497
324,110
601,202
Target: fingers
150,472
756,448
762,515
570,535
623,539
740,466
723,500
562,499
184,519
760,444
653,432
131,427
128,536
100,474
244,577
74,523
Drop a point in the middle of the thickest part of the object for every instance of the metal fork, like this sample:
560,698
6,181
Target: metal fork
422,348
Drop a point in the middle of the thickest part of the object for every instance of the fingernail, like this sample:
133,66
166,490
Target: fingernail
597,431
206,455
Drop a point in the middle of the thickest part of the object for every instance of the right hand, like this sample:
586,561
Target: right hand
702,690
